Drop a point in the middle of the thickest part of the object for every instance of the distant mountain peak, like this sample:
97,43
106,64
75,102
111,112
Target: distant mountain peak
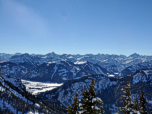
135,55
17,53
51,54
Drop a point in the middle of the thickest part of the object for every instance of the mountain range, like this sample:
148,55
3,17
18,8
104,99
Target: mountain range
107,88
60,68
75,73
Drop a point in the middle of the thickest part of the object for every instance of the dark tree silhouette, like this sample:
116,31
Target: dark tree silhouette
126,99
73,109
143,103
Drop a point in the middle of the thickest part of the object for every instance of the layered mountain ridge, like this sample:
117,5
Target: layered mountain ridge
60,68
75,72
107,88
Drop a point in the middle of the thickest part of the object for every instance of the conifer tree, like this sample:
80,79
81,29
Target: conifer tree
136,105
91,104
73,109
143,103
126,100
99,103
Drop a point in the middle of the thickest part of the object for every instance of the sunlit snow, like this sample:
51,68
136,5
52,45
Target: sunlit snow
111,75
38,87
80,62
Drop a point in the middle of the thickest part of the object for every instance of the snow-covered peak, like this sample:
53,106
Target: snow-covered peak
135,55
52,54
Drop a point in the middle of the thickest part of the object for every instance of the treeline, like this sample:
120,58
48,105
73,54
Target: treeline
7,97
88,103
24,106
18,104
138,107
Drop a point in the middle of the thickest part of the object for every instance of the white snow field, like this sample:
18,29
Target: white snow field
38,87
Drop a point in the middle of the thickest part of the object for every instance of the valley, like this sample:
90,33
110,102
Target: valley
56,78
38,87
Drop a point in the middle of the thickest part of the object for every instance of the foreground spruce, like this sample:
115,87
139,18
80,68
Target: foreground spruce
73,109
143,103
139,107
90,104
126,99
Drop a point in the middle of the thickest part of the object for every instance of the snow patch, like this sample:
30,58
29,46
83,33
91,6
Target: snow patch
82,62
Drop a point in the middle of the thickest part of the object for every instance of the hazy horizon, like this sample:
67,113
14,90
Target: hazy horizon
74,54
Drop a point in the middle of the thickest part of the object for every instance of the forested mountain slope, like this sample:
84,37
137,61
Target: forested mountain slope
15,99
107,88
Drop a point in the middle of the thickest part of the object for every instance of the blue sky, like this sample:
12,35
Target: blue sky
76,26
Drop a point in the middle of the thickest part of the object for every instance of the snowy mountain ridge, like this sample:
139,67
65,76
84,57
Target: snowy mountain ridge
107,88
15,99
60,68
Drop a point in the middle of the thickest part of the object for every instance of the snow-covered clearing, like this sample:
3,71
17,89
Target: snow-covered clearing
111,75
38,87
